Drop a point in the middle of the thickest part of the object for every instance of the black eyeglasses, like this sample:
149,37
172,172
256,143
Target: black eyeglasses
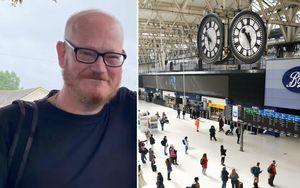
89,56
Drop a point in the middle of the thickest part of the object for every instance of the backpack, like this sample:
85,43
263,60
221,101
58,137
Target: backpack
163,143
183,142
17,163
270,170
252,170
202,161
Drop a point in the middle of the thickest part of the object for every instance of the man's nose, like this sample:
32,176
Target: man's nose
99,65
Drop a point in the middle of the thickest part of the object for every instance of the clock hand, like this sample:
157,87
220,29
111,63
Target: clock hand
247,36
208,39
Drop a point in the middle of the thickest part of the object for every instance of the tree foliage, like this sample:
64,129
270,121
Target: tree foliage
9,81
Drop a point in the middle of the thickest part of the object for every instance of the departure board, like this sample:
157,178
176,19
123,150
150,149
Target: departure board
272,121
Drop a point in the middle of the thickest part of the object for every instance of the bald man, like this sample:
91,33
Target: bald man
85,133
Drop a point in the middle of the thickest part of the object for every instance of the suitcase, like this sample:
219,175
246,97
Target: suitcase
227,132
240,184
154,167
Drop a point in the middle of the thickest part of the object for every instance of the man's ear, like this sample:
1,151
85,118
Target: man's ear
60,49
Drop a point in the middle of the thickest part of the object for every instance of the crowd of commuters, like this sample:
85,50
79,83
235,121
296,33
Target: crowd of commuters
171,153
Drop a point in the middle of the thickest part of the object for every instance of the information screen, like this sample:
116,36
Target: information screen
272,121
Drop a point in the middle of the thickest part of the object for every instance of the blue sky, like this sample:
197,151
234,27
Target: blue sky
29,32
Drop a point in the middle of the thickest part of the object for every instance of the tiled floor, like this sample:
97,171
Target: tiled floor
257,148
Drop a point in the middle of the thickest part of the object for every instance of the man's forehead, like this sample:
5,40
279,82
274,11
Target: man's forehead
91,19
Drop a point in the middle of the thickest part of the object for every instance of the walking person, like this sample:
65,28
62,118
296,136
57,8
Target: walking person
203,162
272,173
186,144
160,181
256,171
162,123
212,133
172,154
183,112
169,168
141,177
142,150
152,160
231,128
197,123
223,154
238,134
164,143
152,140
147,135
234,179
224,177
178,112
221,124
196,183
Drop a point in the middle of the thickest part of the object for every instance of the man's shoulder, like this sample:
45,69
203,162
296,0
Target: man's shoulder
125,96
9,112
125,92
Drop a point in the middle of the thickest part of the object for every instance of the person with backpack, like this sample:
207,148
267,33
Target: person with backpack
272,173
203,162
224,177
152,140
68,133
223,154
255,170
143,151
164,143
186,144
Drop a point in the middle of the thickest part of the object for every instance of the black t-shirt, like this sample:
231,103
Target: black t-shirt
75,151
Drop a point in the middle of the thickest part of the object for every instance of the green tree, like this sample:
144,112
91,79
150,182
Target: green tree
9,81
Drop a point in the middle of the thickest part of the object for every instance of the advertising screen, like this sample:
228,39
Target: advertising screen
282,84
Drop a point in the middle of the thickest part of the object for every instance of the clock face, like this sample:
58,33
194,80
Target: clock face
247,36
210,38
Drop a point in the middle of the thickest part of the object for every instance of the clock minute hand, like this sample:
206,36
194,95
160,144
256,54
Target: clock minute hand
247,36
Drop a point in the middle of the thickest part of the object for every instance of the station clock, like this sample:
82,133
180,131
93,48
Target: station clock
210,38
247,36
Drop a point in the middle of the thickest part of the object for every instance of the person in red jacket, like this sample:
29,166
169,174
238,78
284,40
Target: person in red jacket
203,163
272,173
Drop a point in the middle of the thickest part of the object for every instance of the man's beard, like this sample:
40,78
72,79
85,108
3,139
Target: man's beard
89,98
